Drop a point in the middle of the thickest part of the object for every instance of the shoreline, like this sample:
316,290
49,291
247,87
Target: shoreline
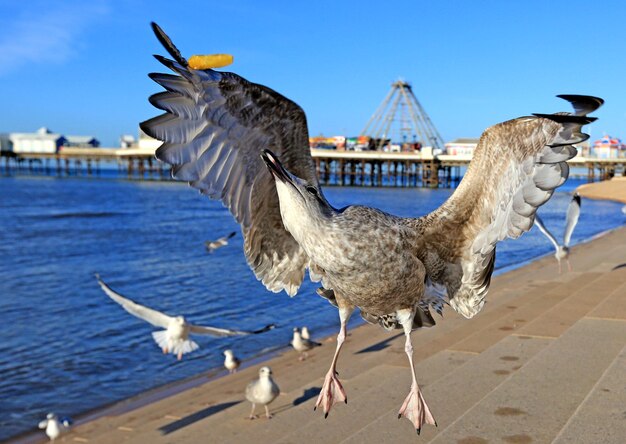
613,190
216,375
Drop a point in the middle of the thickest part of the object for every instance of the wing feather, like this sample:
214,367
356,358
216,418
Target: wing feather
545,231
516,167
215,331
215,127
154,317
573,212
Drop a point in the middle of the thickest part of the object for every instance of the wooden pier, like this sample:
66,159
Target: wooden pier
341,168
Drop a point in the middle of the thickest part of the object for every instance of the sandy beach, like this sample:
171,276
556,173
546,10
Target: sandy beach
614,189
528,368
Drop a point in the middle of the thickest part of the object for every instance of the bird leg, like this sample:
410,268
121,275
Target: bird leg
569,266
165,350
560,268
252,415
180,355
268,415
414,407
332,390
303,356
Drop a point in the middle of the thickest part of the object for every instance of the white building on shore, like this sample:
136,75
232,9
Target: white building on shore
42,141
461,147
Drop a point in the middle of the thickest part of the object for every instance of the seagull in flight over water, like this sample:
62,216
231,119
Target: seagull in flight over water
211,246
247,145
175,338
562,251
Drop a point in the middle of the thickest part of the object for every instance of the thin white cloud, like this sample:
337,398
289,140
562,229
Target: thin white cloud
48,32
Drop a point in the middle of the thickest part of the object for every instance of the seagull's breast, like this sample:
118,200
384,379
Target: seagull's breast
178,331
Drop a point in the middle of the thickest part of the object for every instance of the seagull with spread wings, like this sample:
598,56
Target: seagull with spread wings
562,251
217,131
175,338
211,246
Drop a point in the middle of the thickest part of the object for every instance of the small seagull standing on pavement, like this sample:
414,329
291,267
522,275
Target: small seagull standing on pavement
305,333
54,426
301,344
211,246
175,338
262,391
562,251
231,362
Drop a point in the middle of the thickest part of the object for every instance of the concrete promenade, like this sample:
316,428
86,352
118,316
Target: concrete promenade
545,361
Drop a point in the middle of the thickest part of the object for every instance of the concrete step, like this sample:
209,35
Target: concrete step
601,416
382,393
534,306
561,316
535,403
450,397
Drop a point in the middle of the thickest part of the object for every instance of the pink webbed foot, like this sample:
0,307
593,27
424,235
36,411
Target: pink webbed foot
332,393
416,410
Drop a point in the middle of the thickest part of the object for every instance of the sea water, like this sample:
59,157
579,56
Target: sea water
67,348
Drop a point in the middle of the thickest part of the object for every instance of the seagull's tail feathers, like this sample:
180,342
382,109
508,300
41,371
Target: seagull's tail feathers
162,338
183,347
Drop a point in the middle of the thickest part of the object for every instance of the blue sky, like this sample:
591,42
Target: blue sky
81,67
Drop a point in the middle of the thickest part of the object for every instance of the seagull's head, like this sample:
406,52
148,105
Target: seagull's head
180,320
228,352
51,416
265,372
298,197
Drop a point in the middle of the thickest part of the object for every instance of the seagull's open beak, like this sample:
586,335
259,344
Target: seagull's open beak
275,167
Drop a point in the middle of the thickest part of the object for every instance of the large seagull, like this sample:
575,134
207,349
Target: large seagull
247,145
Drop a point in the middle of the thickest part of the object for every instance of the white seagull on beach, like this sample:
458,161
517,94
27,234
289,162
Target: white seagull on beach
217,127
211,246
54,426
301,344
262,391
562,251
231,362
175,338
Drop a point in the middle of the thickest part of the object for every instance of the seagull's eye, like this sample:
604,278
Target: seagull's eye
312,190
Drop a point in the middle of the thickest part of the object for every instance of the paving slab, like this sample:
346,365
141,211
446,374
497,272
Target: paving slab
536,402
602,415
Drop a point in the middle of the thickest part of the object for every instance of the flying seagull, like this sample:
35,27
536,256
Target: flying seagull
262,391
231,362
175,338
562,251
301,344
54,426
216,129
211,246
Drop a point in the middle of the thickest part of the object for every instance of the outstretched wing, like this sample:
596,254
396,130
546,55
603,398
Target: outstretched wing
573,212
516,167
154,317
214,129
214,331
545,231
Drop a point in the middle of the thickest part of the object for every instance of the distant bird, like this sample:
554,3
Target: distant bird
301,344
562,251
175,338
211,246
624,209
305,333
231,362
217,126
54,426
262,391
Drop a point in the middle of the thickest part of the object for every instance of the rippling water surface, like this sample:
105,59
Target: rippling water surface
67,348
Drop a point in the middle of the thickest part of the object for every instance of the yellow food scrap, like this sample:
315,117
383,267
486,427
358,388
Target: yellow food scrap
210,61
